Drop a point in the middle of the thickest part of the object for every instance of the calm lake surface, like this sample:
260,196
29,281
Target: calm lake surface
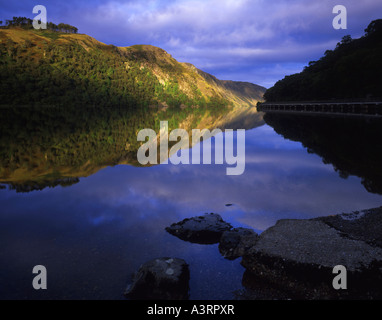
91,236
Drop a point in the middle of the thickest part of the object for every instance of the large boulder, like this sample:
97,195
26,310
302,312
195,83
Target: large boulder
160,279
299,255
363,225
205,229
236,242
315,243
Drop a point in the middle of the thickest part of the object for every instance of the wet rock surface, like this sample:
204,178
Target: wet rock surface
360,225
206,229
236,242
315,243
298,256
160,279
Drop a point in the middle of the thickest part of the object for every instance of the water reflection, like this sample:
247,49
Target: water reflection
352,145
44,147
93,235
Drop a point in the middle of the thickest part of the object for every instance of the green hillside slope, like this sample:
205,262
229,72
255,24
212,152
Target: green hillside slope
55,68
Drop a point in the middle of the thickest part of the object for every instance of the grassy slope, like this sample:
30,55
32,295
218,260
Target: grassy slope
190,81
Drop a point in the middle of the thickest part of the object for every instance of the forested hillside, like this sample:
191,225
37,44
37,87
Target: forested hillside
58,67
353,70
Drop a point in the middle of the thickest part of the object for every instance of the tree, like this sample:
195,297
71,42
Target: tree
27,23
51,26
344,41
373,27
67,28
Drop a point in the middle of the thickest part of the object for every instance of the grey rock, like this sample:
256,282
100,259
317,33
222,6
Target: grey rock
363,225
205,229
236,242
300,255
315,243
160,279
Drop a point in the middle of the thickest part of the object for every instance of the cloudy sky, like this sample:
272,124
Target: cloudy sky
245,40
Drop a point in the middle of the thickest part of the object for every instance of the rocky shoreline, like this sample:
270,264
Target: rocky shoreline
295,259
298,257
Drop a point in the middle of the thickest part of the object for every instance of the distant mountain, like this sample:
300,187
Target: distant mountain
236,91
54,68
353,70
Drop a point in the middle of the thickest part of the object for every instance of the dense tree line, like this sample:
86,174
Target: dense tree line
27,23
353,70
62,27
56,73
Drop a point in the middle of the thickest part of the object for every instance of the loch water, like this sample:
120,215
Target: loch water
94,228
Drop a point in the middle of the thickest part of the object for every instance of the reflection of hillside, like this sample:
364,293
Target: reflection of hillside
241,118
352,145
46,147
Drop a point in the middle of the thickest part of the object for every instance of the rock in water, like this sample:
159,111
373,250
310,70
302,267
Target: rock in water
315,243
236,242
364,225
160,279
300,255
205,229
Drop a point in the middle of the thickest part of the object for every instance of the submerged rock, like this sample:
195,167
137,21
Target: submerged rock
160,279
299,256
205,229
236,242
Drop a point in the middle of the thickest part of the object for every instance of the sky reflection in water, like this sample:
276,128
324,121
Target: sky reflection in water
93,235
